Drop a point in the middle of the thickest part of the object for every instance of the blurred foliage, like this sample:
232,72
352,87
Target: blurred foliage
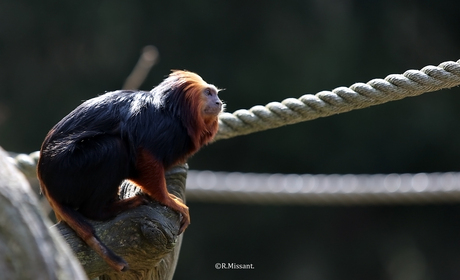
54,54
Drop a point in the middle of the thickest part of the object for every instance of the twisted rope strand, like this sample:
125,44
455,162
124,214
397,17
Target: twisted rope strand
339,100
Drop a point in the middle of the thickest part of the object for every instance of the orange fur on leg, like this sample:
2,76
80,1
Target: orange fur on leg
151,179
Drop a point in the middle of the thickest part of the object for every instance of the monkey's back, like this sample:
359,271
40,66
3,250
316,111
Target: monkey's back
101,138
138,118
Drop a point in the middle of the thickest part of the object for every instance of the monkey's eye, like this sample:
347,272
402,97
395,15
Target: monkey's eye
208,92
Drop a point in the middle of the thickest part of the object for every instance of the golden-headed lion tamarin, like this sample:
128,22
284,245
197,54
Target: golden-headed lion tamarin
125,135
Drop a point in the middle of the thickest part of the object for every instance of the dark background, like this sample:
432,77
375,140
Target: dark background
54,54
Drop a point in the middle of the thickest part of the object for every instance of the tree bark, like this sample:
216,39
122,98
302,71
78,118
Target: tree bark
146,237
29,248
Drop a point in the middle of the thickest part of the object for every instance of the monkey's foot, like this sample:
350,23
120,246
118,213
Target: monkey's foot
127,203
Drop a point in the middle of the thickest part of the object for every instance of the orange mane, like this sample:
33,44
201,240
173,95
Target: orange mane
203,127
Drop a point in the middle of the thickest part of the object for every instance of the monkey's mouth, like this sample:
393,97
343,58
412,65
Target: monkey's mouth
215,110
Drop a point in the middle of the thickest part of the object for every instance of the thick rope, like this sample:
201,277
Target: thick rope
306,189
339,100
26,163
235,187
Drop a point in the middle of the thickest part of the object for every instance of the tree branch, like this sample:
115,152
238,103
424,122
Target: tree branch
146,237
147,60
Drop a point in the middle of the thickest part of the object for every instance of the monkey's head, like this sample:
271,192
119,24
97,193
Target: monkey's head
202,97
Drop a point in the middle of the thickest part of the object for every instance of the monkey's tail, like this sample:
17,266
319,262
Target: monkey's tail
86,232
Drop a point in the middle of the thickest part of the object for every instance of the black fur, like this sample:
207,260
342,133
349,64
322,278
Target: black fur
87,155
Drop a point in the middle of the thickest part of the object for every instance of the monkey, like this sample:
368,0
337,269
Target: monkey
125,135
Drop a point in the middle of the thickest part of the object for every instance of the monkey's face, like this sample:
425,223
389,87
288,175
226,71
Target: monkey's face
212,105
